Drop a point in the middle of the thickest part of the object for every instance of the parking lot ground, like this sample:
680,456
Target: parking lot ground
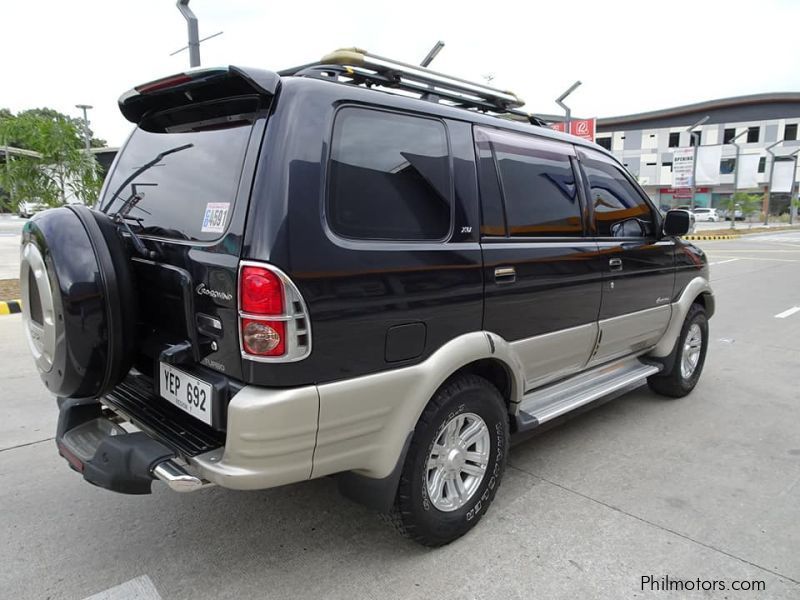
704,487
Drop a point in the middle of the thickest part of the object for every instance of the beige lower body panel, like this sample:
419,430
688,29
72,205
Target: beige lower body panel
631,334
276,437
364,422
281,436
270,441
555,355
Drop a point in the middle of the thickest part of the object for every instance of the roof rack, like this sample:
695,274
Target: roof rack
356,66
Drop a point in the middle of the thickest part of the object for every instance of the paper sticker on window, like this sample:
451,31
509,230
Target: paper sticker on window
214,219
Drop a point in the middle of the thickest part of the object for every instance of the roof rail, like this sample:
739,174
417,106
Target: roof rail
356,66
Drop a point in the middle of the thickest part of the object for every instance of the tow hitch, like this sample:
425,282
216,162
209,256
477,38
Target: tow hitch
111,458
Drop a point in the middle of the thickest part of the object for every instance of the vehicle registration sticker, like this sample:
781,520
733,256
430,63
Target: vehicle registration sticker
187,392
215,216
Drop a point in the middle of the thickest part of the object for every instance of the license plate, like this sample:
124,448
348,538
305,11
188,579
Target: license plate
187,392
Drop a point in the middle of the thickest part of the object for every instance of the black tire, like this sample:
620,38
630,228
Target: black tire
673,383
414,514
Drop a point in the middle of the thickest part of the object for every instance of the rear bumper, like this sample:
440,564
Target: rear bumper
270,439
109,457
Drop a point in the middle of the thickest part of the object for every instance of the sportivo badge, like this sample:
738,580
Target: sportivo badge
202,290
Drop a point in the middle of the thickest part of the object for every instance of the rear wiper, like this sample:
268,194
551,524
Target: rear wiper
141,170
121,218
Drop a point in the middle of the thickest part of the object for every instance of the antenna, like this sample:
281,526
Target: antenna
437,47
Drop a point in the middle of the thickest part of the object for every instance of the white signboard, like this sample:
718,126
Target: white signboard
747,177
783,176
682,167
708,158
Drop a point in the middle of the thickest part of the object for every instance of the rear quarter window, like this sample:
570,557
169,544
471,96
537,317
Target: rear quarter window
389,177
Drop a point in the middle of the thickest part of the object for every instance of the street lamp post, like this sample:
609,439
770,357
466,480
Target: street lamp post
769,182
695,138
735,176
8,173
791,192
194,36
86,141
567,111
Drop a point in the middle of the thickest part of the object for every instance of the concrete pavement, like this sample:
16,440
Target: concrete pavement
703,487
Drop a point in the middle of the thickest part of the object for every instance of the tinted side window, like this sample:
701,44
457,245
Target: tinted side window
615,200
538,186
389,177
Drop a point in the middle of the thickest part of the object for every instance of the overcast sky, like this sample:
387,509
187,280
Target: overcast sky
631,56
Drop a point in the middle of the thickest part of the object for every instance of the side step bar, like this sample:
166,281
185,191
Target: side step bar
547,403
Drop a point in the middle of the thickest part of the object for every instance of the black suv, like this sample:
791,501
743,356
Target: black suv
314,273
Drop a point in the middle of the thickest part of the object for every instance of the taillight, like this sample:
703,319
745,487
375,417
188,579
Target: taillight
261,291
274,324
261,295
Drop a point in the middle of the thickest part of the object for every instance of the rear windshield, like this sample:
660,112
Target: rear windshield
190,192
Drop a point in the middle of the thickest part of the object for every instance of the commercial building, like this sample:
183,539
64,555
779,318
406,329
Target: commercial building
645,144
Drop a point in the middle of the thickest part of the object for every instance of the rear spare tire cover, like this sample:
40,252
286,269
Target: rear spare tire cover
77,301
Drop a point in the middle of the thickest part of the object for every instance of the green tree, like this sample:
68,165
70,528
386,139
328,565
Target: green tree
742,202
53,115
63,167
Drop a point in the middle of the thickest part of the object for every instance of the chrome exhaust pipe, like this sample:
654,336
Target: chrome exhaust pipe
176,477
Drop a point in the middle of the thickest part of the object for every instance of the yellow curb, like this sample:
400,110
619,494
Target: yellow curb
710,237
10,307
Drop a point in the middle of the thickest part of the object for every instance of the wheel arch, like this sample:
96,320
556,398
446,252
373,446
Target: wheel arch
706,300
372,442
374,478
496,372
697,291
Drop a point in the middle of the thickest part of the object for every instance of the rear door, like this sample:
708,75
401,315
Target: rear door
637,265
540,270
182,183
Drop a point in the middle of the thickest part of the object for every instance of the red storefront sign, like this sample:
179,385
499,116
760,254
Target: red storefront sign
584,128
683,193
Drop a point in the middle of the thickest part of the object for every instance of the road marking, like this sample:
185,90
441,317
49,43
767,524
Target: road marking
760,250
140,588
788,313
791,260
722,262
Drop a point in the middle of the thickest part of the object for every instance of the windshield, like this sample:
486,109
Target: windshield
189,194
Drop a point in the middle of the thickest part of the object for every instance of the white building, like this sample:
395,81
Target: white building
645,143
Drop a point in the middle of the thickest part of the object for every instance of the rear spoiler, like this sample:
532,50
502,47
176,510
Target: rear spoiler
193,86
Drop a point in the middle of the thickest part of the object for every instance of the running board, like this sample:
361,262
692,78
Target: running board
545,404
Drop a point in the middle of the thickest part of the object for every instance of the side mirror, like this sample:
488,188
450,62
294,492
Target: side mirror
678,222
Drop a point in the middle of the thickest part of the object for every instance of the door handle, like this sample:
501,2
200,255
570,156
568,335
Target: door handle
505,275
615,264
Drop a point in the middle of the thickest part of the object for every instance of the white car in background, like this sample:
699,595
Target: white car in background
28,208
706,214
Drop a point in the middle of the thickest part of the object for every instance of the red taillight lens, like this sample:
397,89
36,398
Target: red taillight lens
261,292
264,338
